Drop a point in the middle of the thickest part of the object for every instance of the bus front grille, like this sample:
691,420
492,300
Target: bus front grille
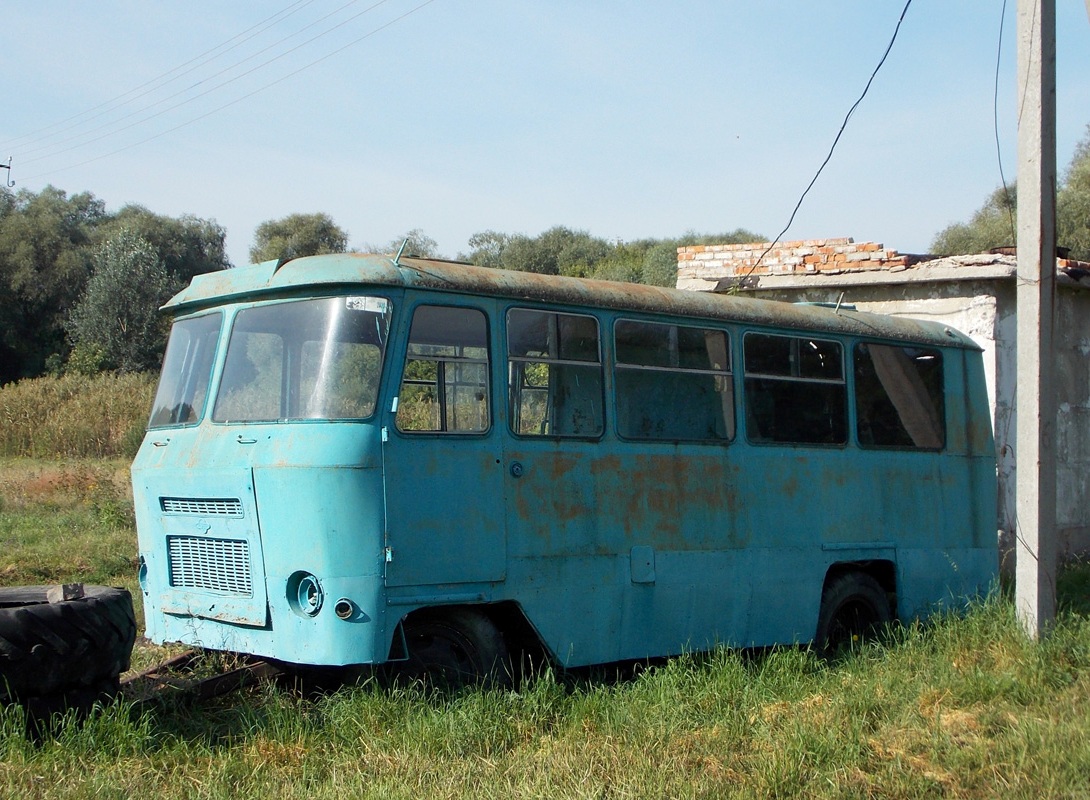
204,506
218,565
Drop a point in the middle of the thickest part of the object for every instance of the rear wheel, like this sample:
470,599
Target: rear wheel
854,608
453,649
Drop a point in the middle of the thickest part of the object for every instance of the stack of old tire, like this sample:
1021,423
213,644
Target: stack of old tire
63,647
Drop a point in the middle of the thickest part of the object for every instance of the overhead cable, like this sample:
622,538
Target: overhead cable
237,100
836,141
165,78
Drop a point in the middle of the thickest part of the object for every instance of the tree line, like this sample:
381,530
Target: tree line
80,287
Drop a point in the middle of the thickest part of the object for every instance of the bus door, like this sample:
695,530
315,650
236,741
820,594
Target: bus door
442,462
564,572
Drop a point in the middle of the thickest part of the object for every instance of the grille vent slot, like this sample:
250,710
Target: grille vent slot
202,506
218,565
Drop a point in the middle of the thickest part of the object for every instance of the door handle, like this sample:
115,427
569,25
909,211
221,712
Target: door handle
517,469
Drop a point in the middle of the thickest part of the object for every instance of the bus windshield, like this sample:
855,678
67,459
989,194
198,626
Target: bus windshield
187,369
304,359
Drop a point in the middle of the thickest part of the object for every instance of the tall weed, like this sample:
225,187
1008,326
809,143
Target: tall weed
98,416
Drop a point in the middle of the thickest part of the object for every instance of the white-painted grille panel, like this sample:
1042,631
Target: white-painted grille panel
202,506
219,565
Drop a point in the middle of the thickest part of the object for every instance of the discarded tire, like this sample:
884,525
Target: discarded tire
66,652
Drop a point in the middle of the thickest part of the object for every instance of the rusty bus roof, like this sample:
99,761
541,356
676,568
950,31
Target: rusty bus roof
348,270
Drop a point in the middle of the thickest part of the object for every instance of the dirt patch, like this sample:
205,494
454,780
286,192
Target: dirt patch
25,482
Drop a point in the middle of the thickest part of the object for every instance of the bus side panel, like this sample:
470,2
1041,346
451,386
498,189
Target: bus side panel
804,509
981,446
956,557
658,552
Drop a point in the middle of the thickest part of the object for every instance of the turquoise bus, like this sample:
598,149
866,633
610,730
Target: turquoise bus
358,459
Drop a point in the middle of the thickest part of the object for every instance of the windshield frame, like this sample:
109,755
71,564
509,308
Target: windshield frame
304,349
187,373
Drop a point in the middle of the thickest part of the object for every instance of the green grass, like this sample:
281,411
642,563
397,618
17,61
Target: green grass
962,707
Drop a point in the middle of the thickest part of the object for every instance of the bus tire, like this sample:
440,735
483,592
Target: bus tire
455,648
65,647
854,608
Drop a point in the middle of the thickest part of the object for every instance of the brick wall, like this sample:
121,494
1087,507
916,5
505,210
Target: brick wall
714,261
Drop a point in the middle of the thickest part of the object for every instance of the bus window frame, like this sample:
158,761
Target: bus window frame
513,412
227,332
842,345
725,374
405,358
943,415
211,386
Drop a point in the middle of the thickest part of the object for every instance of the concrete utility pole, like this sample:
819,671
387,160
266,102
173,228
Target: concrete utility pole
1035,453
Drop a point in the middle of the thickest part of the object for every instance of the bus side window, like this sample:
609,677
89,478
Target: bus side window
899,397
673,382
445,384
794,390
554,374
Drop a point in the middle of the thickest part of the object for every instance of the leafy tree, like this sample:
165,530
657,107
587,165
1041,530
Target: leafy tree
186,246
297,235
47,245
487,249
417,243
659,266
557,251
992,226
525,254
1073,204
45,260
577,252
625,261
563,251
116,322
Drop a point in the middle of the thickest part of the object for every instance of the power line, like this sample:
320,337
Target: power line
836,141
211,90
246,96
207,56
995,125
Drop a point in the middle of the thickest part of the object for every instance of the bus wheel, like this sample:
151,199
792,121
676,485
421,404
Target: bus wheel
854,608
454,649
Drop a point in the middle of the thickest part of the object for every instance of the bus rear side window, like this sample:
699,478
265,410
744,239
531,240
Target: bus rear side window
445,384
899,397
795,391
673,382
554,374
187,370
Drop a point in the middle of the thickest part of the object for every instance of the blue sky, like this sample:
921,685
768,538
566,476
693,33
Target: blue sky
626,119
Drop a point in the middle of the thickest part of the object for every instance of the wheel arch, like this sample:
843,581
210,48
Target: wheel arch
884,571
506,616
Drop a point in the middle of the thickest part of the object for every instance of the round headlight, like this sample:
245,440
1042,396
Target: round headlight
305,594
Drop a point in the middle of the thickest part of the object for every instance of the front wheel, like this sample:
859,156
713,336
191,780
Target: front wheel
454,649
854,608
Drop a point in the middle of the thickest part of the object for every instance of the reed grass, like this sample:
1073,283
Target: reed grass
98,416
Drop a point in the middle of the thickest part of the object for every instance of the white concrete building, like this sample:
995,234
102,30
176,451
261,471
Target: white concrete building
976,295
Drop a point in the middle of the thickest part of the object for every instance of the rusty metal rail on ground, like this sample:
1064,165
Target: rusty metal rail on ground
170,678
